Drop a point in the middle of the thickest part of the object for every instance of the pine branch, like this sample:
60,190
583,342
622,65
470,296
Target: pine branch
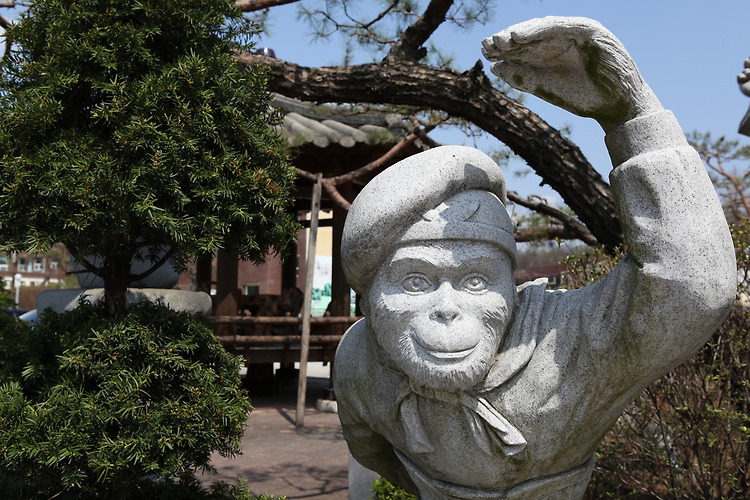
409,46
375,164
336,197
155,265
256,5
569,226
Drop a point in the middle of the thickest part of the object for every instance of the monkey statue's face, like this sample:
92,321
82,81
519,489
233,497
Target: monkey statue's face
440,310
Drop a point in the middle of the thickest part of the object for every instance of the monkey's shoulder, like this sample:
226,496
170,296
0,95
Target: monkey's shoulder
352,347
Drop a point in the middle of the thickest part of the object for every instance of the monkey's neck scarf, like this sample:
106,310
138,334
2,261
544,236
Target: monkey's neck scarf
489,427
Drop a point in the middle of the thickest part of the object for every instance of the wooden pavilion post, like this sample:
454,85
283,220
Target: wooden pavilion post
307,304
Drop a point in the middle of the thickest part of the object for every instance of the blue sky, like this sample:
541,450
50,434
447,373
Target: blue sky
689,51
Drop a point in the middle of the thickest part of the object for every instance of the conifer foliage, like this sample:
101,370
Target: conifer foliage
94,406
128,124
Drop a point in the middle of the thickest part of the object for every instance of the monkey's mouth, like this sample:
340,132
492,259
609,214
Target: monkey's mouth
448,355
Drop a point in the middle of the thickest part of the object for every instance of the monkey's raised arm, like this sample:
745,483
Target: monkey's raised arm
679,279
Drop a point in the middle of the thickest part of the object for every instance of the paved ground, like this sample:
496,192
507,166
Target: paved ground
306,463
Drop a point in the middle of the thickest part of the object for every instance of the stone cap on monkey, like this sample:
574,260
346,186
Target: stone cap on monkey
445,193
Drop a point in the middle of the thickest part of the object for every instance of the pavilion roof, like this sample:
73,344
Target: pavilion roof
321,126
335,139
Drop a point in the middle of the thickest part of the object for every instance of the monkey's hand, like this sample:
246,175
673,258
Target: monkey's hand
574,63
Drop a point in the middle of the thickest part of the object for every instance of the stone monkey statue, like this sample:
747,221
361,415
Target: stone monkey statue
458,385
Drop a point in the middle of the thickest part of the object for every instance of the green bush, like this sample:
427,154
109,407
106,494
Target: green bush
189,488
385,490
92,404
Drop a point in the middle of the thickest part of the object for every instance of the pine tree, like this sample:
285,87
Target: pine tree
128,124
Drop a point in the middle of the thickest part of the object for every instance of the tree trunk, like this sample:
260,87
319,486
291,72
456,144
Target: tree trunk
115,272
469,95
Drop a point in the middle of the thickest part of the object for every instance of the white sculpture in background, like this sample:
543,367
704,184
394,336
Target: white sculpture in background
743,79
457,385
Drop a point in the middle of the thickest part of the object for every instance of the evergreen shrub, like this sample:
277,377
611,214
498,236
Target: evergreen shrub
100,406
386,490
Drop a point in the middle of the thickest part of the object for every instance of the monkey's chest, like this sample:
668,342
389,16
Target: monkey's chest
451,442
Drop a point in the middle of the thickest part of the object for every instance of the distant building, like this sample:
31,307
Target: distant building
35,270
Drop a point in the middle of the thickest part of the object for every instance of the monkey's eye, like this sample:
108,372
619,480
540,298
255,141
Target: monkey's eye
474,283
415,283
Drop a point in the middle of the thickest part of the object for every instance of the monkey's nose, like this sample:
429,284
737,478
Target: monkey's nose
446,309
444,315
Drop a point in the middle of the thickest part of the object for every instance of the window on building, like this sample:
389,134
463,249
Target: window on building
38,264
